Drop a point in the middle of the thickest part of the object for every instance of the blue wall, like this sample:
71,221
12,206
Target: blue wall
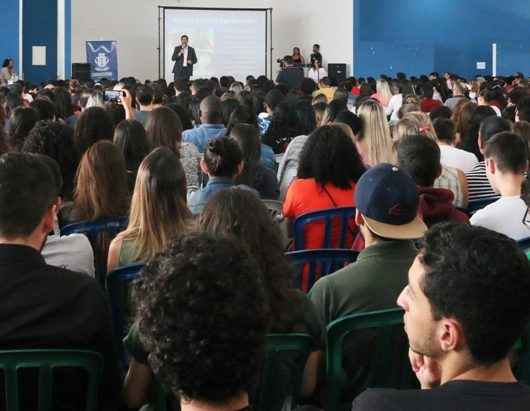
9,31
420,36
40,29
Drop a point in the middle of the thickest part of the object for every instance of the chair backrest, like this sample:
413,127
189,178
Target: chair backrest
524,245
366,350
118,286
335,221
46,361
474,206
281,377
110,225
100,233
522,363
310,265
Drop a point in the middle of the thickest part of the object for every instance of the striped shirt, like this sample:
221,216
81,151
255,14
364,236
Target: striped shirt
449,180
479,187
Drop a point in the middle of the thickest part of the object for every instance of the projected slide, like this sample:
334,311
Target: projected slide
227,42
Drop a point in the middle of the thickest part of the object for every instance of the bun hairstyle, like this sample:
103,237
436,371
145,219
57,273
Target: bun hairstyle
223,157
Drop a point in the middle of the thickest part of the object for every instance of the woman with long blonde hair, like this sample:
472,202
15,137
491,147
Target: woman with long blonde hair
375,142
158,210
383,93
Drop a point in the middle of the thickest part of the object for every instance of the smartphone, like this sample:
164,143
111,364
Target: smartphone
113,96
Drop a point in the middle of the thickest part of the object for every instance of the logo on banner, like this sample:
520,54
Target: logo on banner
103,58
102,62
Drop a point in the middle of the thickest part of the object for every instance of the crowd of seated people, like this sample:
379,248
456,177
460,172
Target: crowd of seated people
435,168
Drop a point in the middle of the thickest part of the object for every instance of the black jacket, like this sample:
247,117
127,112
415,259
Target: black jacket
178,69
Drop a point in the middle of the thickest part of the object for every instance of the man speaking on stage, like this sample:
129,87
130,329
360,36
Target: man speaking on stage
184,57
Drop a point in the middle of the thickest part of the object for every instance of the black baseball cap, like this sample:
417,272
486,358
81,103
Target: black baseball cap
388,200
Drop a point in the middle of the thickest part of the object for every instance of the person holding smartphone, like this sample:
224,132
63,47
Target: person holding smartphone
185,58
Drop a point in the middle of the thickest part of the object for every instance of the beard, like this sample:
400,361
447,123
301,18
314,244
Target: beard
424,343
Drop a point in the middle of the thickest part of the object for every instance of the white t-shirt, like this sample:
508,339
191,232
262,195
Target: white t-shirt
456,158
72,252
315,75
185,57
395,103
504,216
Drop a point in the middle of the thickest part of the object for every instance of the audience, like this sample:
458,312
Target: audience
211,126
333,109
469,141
271,101
55,140
453,179
222,163
428,103
287,123
44,107
70,151
374,142
22,120
479,186
291,310
466,304
158,210
101,189
145,99
452,156
93,125
205,358
387,215
380,273
73,252
46,306
325,88
328,172
254,174
164,129
506,157
420,157
458,95
131,140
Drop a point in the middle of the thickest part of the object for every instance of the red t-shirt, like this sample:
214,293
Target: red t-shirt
429,104
305,196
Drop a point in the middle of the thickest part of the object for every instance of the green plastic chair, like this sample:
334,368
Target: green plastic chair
159,402
46,361
379,342
281,377
522,363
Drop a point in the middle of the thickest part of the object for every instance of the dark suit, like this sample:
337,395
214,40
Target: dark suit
180,72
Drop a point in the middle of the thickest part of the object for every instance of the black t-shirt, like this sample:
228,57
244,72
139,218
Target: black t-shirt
452,396
316,57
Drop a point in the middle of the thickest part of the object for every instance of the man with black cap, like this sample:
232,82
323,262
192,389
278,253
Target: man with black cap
387,215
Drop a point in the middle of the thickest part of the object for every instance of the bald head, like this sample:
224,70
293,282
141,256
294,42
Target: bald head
211,110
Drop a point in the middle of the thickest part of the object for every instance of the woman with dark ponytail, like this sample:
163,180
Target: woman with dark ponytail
222,162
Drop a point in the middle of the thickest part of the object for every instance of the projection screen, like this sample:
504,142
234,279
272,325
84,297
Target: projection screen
227,41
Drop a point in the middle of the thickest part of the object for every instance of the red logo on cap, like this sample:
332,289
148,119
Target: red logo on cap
396,210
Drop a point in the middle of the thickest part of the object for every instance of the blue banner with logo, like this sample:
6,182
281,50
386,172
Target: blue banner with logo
103,59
